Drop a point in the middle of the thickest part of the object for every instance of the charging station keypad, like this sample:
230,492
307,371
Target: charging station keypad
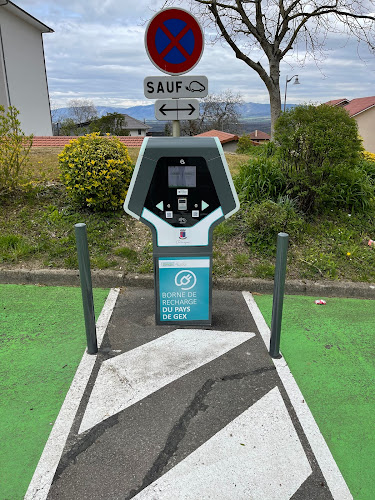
182,191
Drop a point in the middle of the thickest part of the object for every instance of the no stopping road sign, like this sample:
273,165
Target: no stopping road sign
174,41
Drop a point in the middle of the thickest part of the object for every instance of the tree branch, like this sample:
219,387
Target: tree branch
239,54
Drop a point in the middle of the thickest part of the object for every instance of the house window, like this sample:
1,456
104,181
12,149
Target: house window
139,131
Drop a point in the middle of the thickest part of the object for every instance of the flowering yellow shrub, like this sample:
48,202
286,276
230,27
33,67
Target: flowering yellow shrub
96,171
369,156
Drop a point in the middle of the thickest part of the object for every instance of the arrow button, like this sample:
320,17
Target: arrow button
160,206
204,205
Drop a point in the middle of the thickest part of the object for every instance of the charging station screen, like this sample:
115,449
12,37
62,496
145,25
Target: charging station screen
180,177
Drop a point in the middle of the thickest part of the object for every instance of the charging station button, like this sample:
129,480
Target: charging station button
168,215
182,204
182,192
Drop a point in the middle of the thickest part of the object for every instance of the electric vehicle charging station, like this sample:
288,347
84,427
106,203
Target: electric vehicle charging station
182,188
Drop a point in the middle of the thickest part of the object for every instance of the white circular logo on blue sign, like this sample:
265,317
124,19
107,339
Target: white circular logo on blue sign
185,279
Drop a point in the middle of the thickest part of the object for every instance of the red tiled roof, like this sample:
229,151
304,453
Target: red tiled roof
355,106
359,105
259,135
223,136
337,102
62,140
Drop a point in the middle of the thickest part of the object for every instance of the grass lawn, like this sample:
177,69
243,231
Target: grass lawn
331,350
37,231
42,339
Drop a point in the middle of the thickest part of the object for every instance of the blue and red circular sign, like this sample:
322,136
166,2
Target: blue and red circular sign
174,41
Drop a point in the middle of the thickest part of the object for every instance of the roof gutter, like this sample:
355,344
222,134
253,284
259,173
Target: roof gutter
362,110
26,16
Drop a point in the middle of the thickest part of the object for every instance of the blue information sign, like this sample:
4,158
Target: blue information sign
184,288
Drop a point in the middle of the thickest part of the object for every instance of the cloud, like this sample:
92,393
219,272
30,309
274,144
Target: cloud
97,51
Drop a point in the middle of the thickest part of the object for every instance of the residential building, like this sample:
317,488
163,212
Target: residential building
135,127
23,78
259,136
362,110
228,141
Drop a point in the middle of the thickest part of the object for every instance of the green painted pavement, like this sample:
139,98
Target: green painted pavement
42,339
330,351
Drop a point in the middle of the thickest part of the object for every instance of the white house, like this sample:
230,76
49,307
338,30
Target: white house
23,78
362,110
135,127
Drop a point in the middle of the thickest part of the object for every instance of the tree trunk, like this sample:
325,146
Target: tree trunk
274,92
272,82
275,103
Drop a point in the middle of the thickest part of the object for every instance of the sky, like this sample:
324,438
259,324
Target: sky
97,52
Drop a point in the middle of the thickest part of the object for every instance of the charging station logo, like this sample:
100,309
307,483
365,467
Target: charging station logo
182,234
185,279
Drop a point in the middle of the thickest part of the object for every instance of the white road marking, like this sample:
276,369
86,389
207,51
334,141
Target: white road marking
126,379
329,468
256,456
43,476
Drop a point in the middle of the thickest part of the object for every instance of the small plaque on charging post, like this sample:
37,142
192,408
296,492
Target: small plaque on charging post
184,289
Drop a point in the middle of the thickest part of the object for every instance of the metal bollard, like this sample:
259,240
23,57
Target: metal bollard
86,287
278,294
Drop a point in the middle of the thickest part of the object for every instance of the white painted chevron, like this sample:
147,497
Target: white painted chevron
126,379
257,456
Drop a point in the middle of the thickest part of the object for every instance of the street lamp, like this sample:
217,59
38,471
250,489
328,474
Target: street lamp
296,82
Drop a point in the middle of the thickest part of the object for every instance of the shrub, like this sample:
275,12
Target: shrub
369,156
367,165
14,149
69,127
263,221
259,180
316,144
111,123
354,189
245,145
269,149
96,171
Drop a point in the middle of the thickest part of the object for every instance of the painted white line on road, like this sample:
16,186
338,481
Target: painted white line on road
43,476
329,468
126,379
256,456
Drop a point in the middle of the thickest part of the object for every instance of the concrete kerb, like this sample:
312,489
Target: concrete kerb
113,279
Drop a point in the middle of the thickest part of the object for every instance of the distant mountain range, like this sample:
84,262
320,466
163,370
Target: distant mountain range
146,112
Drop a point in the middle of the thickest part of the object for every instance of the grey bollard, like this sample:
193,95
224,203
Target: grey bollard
278,294
86,287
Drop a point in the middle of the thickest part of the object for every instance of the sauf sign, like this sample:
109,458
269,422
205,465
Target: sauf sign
160,87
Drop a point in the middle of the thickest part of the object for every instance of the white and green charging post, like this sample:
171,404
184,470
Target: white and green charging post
181,189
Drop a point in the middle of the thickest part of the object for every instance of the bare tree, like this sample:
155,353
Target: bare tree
274,28
222,111
54,110
82,110
218,111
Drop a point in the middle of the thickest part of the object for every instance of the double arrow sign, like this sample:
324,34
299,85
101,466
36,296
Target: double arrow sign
175,88
177,109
